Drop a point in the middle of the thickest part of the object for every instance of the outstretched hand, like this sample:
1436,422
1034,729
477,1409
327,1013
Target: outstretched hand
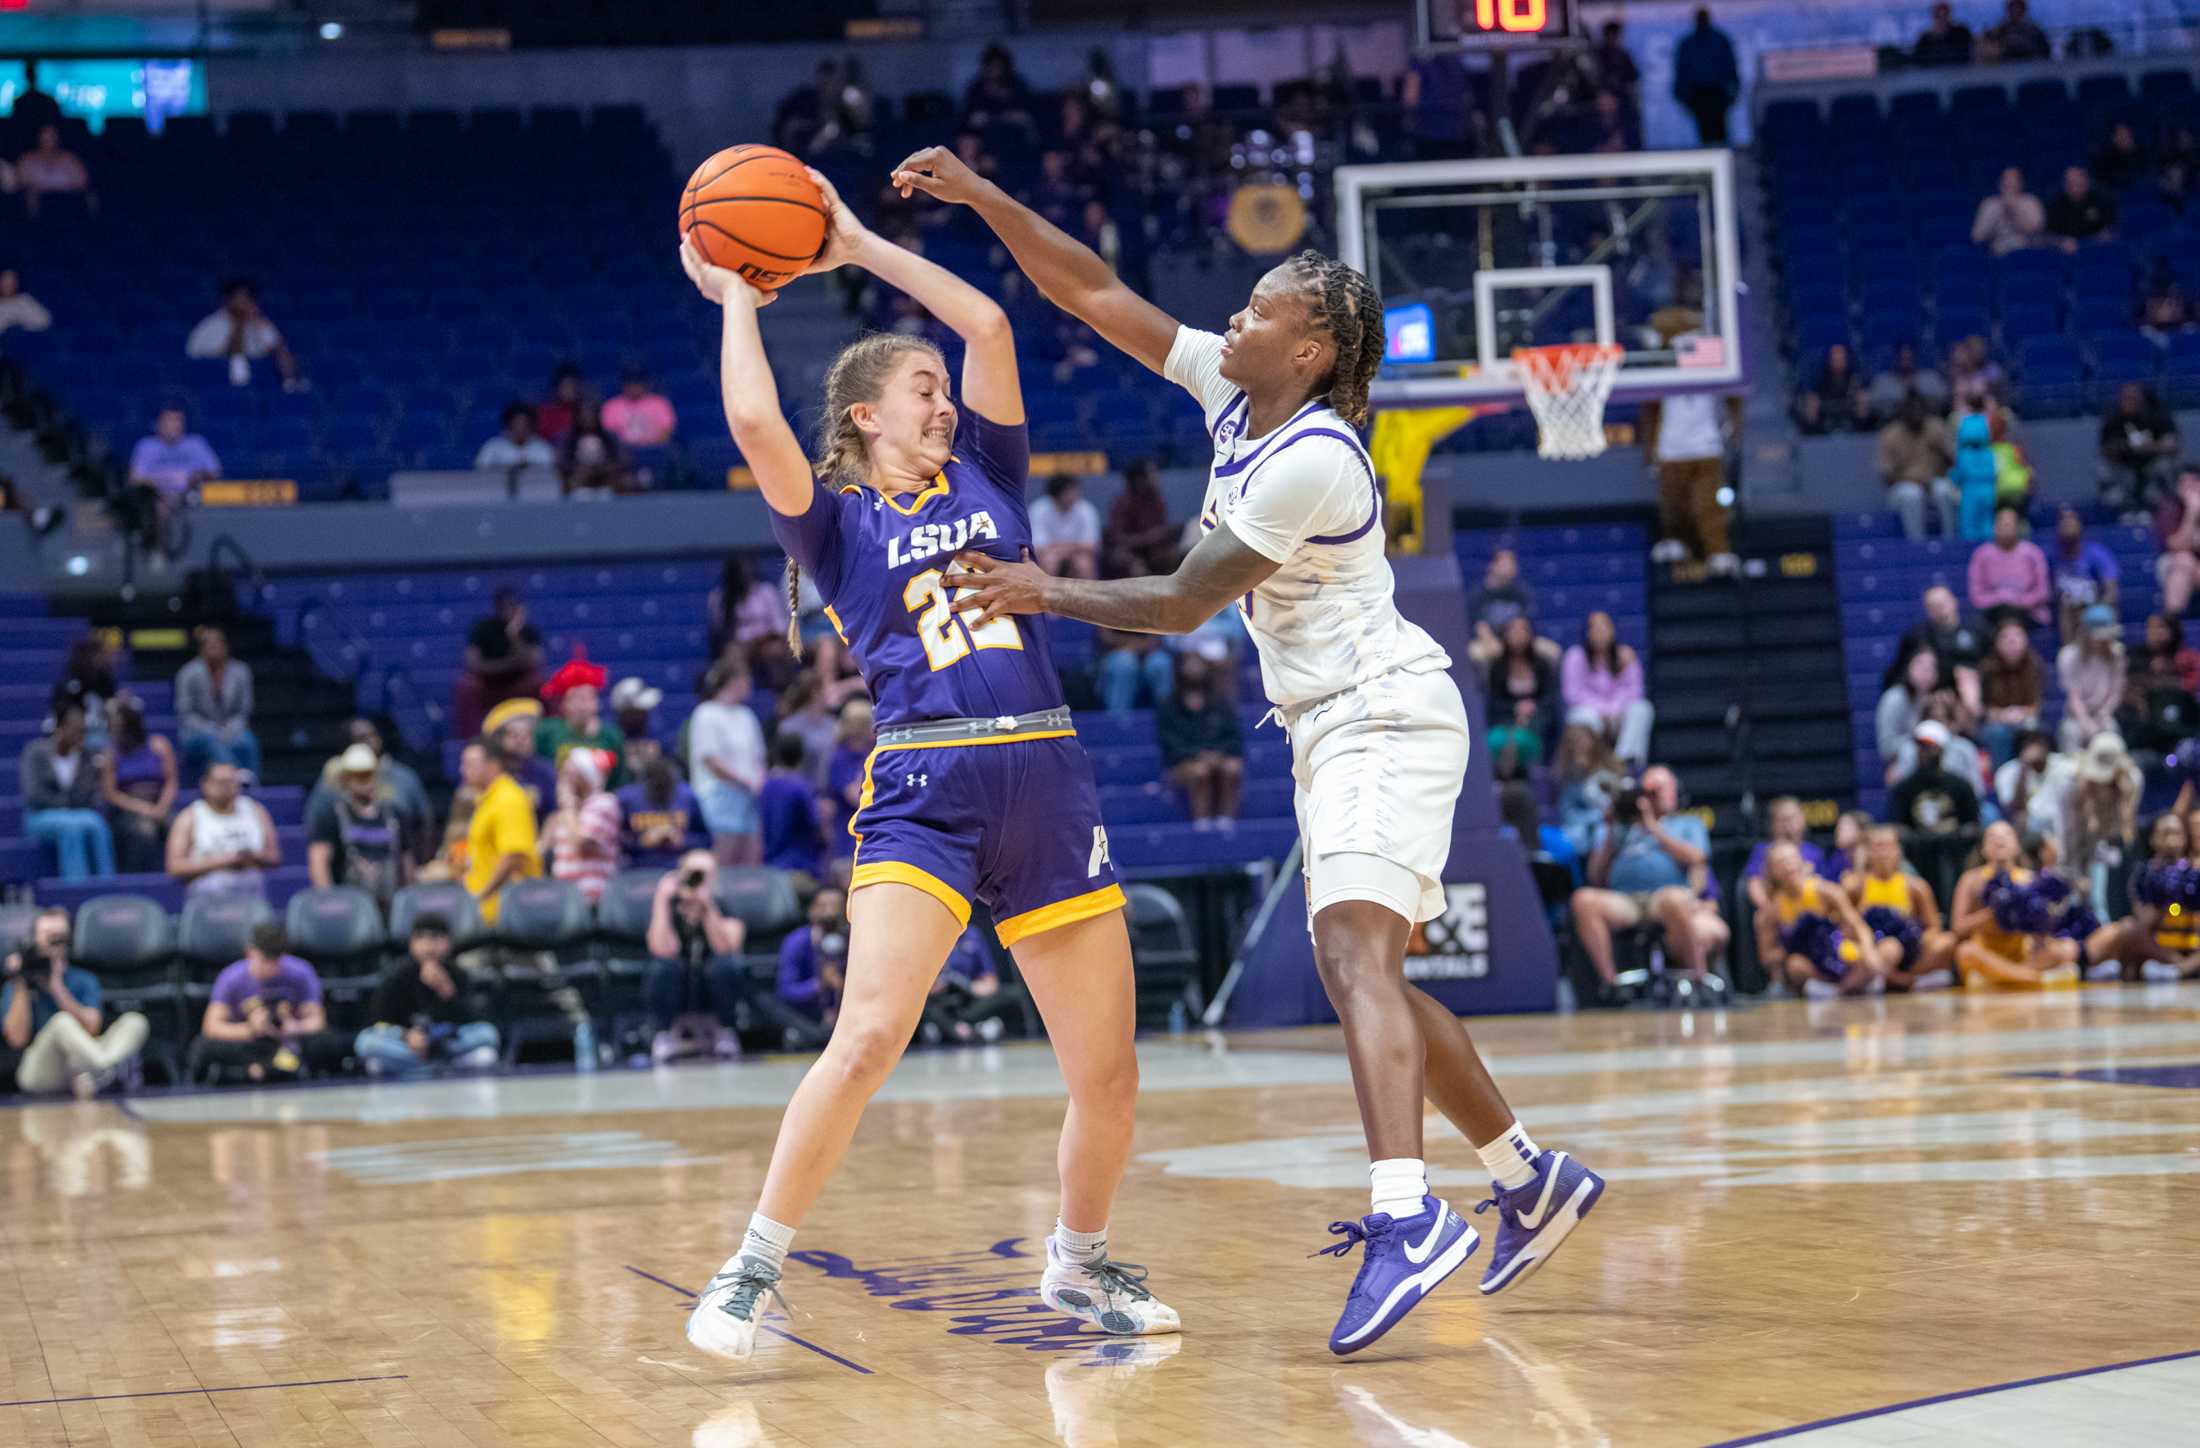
719,284
939,173
843,233
991,588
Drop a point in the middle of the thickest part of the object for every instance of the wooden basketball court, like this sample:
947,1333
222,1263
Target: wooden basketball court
1815,1213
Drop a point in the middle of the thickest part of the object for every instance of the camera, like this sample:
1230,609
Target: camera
833,947
692,880
1627,800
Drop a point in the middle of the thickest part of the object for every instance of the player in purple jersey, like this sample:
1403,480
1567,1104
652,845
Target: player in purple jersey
1378,731
977,790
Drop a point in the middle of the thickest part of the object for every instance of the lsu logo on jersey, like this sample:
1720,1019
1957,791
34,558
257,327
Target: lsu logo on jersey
929,540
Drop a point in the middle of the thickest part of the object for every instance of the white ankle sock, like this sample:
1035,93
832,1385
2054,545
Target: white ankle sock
1079,1248
1399,1183
765,1239
1511,1158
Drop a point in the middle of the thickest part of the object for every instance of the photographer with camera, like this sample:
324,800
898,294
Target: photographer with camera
49,1011
266,1017
1650,864
694,987
427,1010
811,963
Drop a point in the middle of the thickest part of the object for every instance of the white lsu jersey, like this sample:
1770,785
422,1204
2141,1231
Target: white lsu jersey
1305,498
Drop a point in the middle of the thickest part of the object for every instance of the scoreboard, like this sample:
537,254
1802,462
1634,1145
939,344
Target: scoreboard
1482,24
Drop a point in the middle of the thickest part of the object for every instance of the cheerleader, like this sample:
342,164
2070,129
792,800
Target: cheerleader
2160,939
1827,949
1898,906
2006,931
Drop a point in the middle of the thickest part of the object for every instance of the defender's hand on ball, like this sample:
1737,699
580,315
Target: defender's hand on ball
718,284
990,588
939,173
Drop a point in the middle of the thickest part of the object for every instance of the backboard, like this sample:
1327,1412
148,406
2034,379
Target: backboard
1474,259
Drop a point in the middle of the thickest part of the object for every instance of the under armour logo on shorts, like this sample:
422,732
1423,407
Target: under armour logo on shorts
1099,851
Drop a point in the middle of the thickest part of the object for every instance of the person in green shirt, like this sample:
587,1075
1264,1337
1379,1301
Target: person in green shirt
575,697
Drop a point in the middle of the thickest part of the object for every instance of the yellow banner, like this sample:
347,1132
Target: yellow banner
249,493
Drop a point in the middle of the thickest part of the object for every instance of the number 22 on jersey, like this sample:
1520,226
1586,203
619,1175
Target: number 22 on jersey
947,637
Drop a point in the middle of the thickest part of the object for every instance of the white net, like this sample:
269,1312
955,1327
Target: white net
1566,388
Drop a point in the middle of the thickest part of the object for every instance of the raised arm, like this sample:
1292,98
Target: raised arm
1218,571
1066,272
749,392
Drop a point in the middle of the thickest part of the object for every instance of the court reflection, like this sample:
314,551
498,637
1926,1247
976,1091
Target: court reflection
1387,1409
84,1150
1098,1395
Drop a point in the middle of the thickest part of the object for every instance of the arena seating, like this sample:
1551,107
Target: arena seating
1871,213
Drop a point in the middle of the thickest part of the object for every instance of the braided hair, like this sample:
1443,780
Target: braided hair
858,374
1343,303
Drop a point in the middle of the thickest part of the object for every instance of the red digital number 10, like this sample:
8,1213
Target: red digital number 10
1519,17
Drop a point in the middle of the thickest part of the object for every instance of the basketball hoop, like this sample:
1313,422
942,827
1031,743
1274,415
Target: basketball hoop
1566,387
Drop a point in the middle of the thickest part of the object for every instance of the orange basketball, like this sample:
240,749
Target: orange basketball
755,211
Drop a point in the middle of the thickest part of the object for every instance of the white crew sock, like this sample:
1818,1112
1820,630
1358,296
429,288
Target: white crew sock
765,1240
1511,1158
1079,1249
1398,1183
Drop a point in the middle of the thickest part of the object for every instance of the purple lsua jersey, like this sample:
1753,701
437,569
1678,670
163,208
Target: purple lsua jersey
879,561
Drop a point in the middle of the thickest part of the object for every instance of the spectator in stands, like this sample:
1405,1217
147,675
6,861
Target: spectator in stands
999,93
1946,42
355,837
52,169
426,1010
18,308
1786,825
1933,799
2122,162
167,464
223,842
2024,775
1065,530
1600,683
2159,708
501,844
2079,212
1129,663
1958,641
241,332
1202,743
804,718
511,726
2092,671
503,661
812,963
2010,219
556,414
743,607
2085,572
1517,808
1586,776
657,811
581,839
2008,574
2017,36
1650,866
640,416
33,107
1915,452
695,985
2139,443
1139,539
575,691
1435,96
2179,159
1502,597
50,1013
60,781
2012,683
1973,375
1835,401
836,672
88,678
633,702
517,446
137,782
1706,78
396,783
1918,694
2177,529
726,763
1523,701
1684,438
214,707
2163,311
788,809
591,462
2150,940
266,1017
844,772
1904,377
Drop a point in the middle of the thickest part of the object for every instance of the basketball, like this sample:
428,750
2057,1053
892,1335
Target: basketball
755,211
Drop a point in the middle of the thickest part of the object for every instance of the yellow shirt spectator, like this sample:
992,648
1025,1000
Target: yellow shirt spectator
503,824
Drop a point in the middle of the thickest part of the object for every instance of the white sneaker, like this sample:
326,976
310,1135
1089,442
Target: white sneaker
723,1323
1877,985
1724,564
1815,989
480,1058
665,1048
1110,1295
1668,550
2160,972
2101,970
1934,980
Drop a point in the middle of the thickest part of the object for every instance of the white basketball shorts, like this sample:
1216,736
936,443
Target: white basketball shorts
1378,770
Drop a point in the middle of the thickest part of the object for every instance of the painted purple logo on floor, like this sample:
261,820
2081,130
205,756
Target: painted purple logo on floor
982,1293
2177,1078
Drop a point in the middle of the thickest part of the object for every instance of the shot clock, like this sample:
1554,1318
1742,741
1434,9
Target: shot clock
1486,23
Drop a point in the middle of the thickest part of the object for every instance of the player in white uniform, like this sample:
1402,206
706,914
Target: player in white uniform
1293,536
